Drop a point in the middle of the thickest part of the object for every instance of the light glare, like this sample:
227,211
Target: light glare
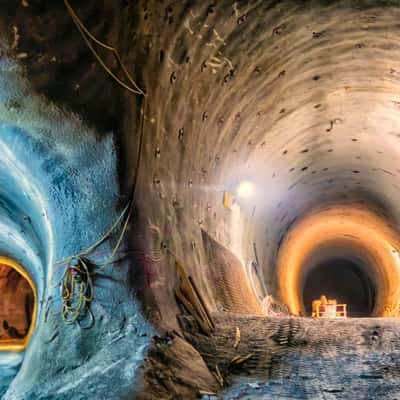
245,189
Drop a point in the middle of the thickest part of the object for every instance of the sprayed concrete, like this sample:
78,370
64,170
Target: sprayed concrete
59,194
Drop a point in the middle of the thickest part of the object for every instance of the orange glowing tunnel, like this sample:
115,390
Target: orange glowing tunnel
18,302
345,252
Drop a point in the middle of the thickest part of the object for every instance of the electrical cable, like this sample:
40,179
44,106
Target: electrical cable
77,293
86,35
77,288
72,314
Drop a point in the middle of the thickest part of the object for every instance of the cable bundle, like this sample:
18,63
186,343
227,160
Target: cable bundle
77,281
77,293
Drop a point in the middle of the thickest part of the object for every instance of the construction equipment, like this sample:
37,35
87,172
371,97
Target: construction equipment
328,308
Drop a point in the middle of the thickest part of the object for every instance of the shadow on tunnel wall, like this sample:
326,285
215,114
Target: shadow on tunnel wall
224,274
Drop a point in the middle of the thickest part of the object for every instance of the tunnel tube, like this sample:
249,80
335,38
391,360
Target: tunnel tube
343,280
263,104
285,94
26,236
19,303
353,234
342,269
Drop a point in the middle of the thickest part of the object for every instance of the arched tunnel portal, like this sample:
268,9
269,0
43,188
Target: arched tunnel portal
180,180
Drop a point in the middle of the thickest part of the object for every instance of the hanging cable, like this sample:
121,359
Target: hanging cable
77,293
76,302
86,35
77,288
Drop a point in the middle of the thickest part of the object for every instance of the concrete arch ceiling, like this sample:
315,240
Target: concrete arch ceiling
300,98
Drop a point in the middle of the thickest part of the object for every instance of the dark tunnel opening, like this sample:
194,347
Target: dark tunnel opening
344,280
18,307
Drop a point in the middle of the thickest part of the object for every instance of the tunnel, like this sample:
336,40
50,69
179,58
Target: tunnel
189,188
18,309
342,279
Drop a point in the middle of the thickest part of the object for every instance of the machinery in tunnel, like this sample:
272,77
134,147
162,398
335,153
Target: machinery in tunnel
342,280
199,199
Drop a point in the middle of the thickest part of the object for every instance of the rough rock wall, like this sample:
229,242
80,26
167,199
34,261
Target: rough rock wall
59,66
59,194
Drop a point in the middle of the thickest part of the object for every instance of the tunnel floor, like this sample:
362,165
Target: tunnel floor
323,373
357,358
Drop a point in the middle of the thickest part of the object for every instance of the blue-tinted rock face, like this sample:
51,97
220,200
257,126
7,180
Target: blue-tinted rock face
58,195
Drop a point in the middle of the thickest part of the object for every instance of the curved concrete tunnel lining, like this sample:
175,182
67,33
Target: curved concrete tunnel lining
225,135
352,233
351,176
281,118
56,199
